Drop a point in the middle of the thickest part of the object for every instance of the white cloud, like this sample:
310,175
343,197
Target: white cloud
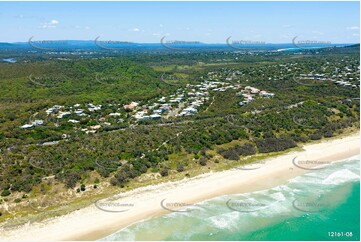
355,35
50,25
54,22
353,28
286,26
135,30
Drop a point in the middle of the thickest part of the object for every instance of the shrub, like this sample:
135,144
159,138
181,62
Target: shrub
122,176
203,161
315,136
113,181
71,179
164,172
5,193
180,168
235,152
246,149
275,144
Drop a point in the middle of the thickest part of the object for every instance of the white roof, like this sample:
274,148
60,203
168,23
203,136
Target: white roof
26,126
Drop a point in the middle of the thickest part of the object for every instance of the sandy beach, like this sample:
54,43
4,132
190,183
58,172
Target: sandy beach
106,217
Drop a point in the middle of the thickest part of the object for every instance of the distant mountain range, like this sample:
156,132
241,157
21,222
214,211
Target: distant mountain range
66,45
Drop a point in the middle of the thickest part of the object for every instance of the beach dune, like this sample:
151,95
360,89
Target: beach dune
108,216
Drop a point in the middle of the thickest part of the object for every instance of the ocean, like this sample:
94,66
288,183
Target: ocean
320,205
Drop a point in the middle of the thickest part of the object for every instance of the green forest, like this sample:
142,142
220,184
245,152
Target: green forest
62,153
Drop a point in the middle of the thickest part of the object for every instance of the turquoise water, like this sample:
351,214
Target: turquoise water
308,207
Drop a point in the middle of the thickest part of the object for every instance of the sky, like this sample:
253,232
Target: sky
208,22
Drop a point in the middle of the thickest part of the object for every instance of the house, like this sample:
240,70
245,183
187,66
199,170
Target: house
38,122
162,100
49,111
50,143
140,114
92,107
95,127
265,94
53,109
114,114
90,131
200,94
252,89
155,116
130,106
73,121
26,126
189,111
143,118
62,114
158,111
79,111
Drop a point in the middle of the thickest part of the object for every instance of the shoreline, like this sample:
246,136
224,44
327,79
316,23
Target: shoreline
92,223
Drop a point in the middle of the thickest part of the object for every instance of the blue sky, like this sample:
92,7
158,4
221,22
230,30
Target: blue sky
210,22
